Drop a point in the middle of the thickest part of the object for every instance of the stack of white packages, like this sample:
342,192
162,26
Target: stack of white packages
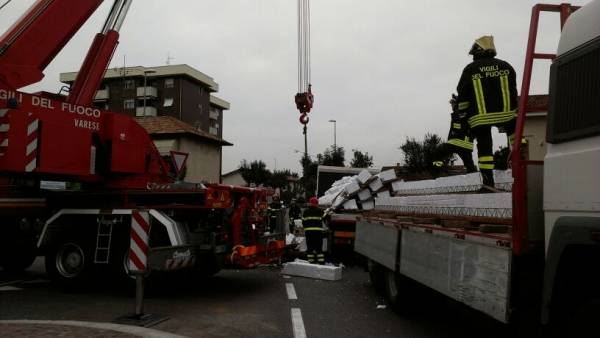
498,205
336,189
452,184
357,192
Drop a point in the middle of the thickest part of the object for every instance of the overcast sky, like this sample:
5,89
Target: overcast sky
384,69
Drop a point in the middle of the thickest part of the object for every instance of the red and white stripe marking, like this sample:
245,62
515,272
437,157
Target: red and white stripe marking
179,263
32,143
138,251
4,128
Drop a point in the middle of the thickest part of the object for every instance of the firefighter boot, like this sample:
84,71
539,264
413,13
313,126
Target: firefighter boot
310,257
488,180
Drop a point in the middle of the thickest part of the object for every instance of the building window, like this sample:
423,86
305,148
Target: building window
168,102
214,113
169,83
129,84
129,104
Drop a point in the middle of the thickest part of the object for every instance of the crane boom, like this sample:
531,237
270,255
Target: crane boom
38,36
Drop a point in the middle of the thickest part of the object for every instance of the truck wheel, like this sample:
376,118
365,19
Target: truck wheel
400,292
377,276
69,264
119,267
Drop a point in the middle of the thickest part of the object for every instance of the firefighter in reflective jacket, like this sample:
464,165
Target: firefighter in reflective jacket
312,221
487,92
459,138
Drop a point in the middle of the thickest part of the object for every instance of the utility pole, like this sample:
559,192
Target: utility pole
334,134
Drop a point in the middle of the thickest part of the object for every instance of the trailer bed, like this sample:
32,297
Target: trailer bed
469,266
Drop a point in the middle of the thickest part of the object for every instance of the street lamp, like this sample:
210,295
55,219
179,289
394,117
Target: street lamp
146,72
334,134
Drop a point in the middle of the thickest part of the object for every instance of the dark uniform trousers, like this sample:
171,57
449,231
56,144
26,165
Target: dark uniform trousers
487,92
312,221
460,141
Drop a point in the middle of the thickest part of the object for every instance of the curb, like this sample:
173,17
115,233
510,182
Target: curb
133,330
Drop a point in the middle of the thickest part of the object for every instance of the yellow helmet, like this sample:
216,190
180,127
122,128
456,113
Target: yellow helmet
483,45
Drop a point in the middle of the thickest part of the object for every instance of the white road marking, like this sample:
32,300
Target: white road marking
291,292
13,282
9,288
286,277
298,323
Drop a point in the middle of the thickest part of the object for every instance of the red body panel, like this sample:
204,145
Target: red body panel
46,136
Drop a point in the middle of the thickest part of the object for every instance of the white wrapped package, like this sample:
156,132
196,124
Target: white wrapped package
503,179
388,175
305,269
376,184
352,187
383,193
350,205
364,194
338,201
368,205
364,176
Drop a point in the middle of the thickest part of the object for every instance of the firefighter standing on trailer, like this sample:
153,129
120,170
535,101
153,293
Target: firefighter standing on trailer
487,92
312,221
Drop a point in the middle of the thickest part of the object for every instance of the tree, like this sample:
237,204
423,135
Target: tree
255,172
361,160
334,156
419,156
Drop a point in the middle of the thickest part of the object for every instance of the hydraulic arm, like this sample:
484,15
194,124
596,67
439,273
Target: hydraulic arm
38,36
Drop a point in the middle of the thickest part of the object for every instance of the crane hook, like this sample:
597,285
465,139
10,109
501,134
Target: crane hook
304,118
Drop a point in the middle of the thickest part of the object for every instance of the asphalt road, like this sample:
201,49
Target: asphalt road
248,303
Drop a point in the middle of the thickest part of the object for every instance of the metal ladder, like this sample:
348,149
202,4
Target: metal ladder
519,165
103,240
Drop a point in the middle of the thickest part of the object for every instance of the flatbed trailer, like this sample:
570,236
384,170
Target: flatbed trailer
535,262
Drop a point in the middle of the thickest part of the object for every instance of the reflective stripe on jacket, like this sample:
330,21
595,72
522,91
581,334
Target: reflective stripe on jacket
312,219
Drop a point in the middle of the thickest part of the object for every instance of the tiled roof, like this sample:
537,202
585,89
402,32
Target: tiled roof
168,125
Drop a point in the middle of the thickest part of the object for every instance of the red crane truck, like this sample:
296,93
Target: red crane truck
551,255
108,166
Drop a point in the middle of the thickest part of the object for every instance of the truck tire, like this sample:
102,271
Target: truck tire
377,276
70,264
120,276
400,292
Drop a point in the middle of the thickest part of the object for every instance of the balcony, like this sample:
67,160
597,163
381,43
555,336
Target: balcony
102,95
214,114
150,92
150,111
